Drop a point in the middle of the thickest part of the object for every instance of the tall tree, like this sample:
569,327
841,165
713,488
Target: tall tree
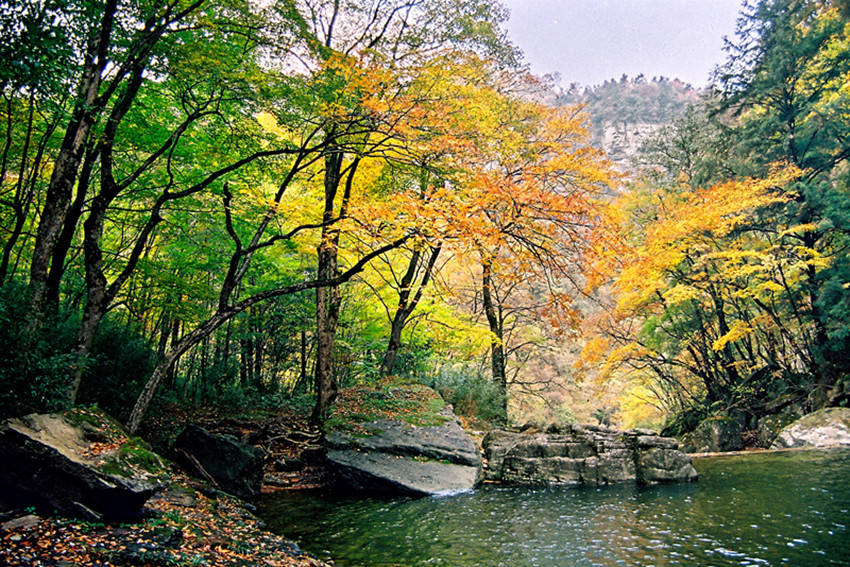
786,75
398,36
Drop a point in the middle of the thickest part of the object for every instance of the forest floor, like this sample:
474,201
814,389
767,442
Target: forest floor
294,454
189,523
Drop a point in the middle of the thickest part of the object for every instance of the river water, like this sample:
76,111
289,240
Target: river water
780,509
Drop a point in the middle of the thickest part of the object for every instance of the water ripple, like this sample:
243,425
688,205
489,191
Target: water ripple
781,509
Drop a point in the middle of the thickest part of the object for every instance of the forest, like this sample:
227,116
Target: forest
241,204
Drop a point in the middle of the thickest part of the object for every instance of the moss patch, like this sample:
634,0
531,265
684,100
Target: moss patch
95,424
825,417
131,457
414,404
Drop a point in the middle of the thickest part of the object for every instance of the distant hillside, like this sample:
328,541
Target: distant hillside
624,112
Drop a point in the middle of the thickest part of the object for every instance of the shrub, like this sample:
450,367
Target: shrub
35,370
471,394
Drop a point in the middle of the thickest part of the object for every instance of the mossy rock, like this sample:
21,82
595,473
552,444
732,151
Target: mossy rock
79,462
421,449
717,433
413,404
131,458
769,426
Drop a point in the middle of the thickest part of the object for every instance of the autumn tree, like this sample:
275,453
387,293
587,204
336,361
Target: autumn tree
388,41
730,266
786,76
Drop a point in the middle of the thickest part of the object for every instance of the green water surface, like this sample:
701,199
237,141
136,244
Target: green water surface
766,509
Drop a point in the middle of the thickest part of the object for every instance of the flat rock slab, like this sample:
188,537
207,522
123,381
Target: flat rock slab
828,427
398,457
383,472
440,442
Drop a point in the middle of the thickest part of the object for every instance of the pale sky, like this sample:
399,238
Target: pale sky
589,41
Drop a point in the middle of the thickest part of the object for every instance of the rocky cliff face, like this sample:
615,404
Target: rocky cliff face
574,455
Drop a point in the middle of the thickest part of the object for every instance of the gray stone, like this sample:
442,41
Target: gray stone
616,466
663,465
232,466
440,442
22,523
46,465
399,457
382,472
648,441
584,455
828,427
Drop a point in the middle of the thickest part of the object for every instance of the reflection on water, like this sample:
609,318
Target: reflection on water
755,510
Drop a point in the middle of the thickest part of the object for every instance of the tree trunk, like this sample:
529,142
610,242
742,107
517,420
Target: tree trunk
24,186
302,379
327,316
97,295
147,394
497,347
64,176
66,236
328,297
407,304
178,349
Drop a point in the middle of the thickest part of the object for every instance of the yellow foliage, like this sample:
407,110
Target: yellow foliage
738,331
686,229
639,406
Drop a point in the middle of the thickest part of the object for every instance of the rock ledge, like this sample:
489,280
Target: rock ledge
574,455
398,457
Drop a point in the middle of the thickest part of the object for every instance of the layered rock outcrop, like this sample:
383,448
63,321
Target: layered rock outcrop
574,455
828,427
395,456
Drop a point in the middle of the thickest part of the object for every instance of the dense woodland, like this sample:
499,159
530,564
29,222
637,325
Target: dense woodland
241,204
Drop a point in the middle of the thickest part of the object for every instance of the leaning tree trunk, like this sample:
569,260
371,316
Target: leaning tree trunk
226,312
178,349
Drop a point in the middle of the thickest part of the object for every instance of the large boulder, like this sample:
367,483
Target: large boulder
576,455
234,467
828,427
715,434
395,456
78,463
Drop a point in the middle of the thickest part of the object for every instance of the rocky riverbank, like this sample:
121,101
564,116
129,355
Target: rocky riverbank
180,526
179,520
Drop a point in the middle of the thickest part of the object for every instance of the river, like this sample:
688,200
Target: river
785,509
